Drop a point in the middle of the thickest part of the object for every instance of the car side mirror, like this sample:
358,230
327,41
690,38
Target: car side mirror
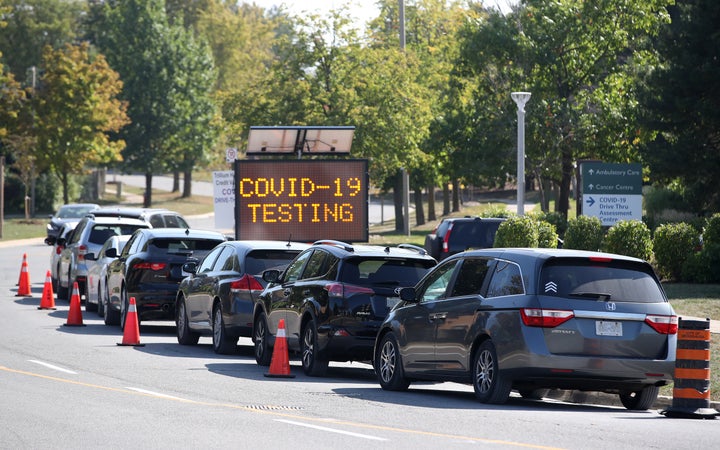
50,240
408,294
111,252
190,267
61,241
271,275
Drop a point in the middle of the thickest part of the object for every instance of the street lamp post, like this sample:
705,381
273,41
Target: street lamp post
520,99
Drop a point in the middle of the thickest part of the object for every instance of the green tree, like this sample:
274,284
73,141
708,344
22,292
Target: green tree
33,24
163,68
579,59
680,99
76,107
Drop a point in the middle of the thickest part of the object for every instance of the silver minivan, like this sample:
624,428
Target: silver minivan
533,320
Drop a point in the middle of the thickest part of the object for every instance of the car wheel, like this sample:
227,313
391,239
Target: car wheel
62,292
389,365
533,394
640,400
489,384
100,302
184,335
261,337
222,343
91,307
124,307
312,363
112,315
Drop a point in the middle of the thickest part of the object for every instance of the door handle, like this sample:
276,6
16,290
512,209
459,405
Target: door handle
286,292
438,316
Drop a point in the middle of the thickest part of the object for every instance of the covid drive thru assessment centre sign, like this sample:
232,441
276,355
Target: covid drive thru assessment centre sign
611,192
302,200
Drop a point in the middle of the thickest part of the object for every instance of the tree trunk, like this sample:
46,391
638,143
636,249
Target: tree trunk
446,199
147,198
66,195
398,201
456,195
419,210
431,202
563,201
187,184
176,182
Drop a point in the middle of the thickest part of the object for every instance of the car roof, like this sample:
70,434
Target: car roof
181,232
130,212
75,205
543,253
117,220
343,249
267,245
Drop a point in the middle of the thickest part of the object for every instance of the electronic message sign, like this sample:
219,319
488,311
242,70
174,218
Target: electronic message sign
302,200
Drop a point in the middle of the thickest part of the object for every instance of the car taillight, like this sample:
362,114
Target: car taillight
663,324
346,290
59,249
446,238
82,251
545,318
246,283
149,266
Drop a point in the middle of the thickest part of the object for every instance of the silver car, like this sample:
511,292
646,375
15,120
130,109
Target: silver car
532,320
97,273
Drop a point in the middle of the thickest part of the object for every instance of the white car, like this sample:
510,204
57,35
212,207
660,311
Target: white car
58,245
96,276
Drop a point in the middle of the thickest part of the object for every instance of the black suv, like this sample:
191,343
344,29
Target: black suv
333,297
457,234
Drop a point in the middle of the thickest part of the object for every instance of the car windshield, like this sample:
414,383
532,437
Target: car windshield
71,212
590,280
195,247
383,272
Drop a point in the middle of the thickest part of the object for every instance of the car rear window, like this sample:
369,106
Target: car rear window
258,261
384,272
619,281
100,233
196,247
475,234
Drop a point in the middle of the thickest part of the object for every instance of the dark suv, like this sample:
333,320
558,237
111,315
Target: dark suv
457,234
532,320
333,297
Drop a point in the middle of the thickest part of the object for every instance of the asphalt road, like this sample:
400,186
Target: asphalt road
74,387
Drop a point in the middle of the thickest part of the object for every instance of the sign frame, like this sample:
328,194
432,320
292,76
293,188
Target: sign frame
302,200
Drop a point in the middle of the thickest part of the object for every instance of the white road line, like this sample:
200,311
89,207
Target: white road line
332,430
59,369
155,394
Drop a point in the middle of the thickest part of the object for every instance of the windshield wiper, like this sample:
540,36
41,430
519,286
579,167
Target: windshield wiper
596,295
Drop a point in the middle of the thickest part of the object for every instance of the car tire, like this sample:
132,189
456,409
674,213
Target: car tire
261,338
62,292
641,400
313,365
184,335
100,302
91,307
223,344
388,363
489,384
112,316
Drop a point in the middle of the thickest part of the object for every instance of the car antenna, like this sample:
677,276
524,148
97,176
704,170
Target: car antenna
289,241
187,231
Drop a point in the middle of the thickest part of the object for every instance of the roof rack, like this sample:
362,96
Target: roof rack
344,245
413,247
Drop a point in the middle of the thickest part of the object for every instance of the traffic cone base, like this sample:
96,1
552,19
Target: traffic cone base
74,318
131,332
48,297
24,281
280,363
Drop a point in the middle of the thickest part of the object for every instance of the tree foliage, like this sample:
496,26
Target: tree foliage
76,107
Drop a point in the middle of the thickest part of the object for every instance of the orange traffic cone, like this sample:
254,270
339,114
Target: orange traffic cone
280,363
74,318
48,297
24,281
131,332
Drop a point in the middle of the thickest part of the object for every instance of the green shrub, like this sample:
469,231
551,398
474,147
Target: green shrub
631,238
517,231
673,244
584,233
696,268
547,236
711,233
555,218
497,210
